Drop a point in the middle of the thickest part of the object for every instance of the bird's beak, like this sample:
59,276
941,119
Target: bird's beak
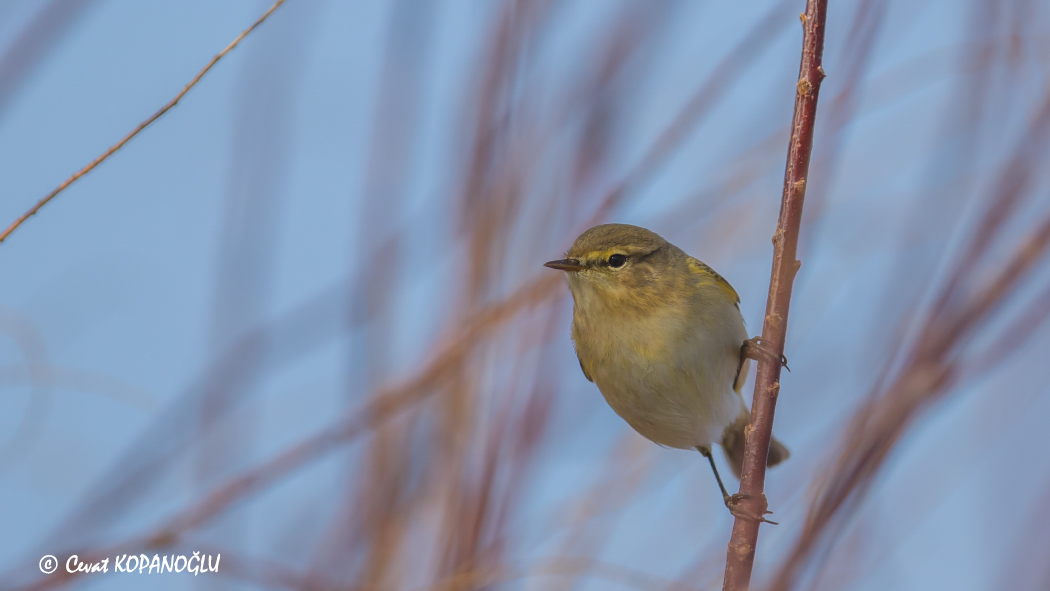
571,265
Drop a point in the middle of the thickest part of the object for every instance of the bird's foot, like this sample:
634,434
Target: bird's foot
755,349
733,503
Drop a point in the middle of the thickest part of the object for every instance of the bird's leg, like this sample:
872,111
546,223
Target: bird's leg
754,348
706,452
732,501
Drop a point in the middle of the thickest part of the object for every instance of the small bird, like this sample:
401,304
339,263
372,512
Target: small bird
661,335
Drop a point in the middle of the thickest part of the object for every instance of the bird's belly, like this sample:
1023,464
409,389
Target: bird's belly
671,404
669,375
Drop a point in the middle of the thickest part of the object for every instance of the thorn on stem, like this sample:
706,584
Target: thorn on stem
733,503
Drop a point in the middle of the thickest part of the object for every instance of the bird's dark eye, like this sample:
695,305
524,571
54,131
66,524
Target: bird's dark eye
617,260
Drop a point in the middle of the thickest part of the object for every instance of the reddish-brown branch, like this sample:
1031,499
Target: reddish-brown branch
741,554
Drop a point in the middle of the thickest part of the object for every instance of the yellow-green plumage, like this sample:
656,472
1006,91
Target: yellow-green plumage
660,335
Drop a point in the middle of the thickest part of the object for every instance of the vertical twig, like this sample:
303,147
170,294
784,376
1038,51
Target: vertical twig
741,554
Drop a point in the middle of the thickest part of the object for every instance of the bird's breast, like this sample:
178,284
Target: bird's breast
667,375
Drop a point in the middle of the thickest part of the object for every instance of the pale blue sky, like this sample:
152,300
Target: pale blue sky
114,283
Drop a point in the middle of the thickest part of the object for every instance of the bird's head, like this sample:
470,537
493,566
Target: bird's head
618,266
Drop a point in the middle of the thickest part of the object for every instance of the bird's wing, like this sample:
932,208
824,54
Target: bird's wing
741,374
706,274
584,368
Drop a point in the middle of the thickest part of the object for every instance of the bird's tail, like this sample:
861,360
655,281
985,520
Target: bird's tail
733,445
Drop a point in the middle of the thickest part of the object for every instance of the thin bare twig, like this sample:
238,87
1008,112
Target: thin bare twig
741,553
141,126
